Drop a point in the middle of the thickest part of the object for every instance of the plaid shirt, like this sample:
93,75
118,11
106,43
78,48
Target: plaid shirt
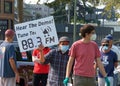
58,63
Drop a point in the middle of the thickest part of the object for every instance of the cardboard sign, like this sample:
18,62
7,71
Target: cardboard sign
31,34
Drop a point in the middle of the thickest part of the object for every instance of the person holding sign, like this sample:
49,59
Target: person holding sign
57,58
85,53
40,72
8,71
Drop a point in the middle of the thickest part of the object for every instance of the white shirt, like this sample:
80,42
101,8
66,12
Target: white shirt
116,50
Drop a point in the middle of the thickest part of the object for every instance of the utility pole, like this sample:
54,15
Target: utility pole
67,8
74,31
20,10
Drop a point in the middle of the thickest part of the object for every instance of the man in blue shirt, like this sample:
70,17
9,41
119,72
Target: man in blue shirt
8,70
117,51
109,60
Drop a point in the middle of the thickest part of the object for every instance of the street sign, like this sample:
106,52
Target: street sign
31,34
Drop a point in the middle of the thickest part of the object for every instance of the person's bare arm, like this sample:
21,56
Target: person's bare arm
42,59
13,66
69,66
116,64
101,67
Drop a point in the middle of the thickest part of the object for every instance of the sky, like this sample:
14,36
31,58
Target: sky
35,1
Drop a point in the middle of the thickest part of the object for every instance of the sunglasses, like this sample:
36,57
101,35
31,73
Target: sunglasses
105,45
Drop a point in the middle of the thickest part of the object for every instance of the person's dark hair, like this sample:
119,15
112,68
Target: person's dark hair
86,29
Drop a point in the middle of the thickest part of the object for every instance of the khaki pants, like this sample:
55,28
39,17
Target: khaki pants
7,81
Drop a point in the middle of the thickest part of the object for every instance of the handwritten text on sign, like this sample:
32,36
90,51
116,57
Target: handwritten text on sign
30,34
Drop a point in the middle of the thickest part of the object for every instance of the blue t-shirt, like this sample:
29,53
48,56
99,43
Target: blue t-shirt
7,51
108,60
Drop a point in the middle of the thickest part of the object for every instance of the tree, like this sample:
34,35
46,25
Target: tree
20,10
109,10
60,12
111,6
59,8
84,9
95,2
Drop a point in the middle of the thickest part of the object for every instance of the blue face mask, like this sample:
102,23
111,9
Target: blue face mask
64,48
105,48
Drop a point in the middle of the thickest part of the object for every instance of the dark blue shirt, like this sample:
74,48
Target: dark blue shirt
108,60
7,51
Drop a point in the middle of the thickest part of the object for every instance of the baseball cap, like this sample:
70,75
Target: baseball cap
64,38
9,33
105,40
109,36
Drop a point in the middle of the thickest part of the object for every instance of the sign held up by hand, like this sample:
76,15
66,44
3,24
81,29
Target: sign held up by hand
31,34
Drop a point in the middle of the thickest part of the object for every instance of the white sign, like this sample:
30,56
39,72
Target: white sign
31,34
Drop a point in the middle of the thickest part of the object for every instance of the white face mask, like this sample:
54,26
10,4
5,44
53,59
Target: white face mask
93,37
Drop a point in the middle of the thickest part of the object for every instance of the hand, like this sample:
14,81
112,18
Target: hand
107,81
17,77
65,81
41,47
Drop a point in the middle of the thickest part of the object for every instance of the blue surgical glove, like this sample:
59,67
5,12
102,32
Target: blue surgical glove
65,81
107,81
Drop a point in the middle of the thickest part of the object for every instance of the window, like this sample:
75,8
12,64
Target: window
3,23
8,7
3,27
